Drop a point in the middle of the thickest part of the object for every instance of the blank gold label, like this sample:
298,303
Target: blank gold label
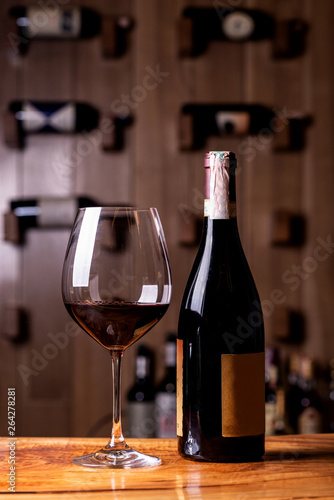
179,387
243,396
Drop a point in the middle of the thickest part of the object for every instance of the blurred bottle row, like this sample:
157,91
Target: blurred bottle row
299,395
151,410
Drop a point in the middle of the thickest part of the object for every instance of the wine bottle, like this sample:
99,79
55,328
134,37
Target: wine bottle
46,21
140,407
293,392
281,427
165,398
329,398
26,117
198,121
220,346
44,212
272,390
200,25
235,25
310,418
62,117
43,22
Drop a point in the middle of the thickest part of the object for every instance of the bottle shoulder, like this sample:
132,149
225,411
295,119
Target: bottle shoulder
221,302
220,271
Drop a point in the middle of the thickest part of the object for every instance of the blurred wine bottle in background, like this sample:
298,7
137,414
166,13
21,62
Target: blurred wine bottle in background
329,398
44,117
271,380
293,392
50,21
165,397
68,22
299,400
275,394
310,418
31,117
141,397
43,212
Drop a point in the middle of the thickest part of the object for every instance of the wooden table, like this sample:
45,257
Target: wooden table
293,467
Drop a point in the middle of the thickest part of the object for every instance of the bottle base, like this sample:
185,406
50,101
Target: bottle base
224,450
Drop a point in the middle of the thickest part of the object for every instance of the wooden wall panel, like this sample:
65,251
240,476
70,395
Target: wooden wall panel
46,75
10,267
72,393
318,183
107,177
272,178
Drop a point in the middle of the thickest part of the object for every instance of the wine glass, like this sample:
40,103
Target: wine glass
116,285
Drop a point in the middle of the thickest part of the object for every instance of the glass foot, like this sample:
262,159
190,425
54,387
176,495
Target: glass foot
117,458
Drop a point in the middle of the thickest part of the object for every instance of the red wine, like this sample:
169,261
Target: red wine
116,325
220,351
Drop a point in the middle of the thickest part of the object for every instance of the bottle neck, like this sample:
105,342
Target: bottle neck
142,368
170,356
220,215
220,193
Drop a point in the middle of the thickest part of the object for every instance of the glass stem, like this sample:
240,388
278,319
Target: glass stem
117,439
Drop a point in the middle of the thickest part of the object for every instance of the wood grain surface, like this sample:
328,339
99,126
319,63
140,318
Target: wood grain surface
69,395
293,467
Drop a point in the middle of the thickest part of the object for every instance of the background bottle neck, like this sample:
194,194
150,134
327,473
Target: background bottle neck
142,368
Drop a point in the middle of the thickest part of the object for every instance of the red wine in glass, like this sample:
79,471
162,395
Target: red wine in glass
116,325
